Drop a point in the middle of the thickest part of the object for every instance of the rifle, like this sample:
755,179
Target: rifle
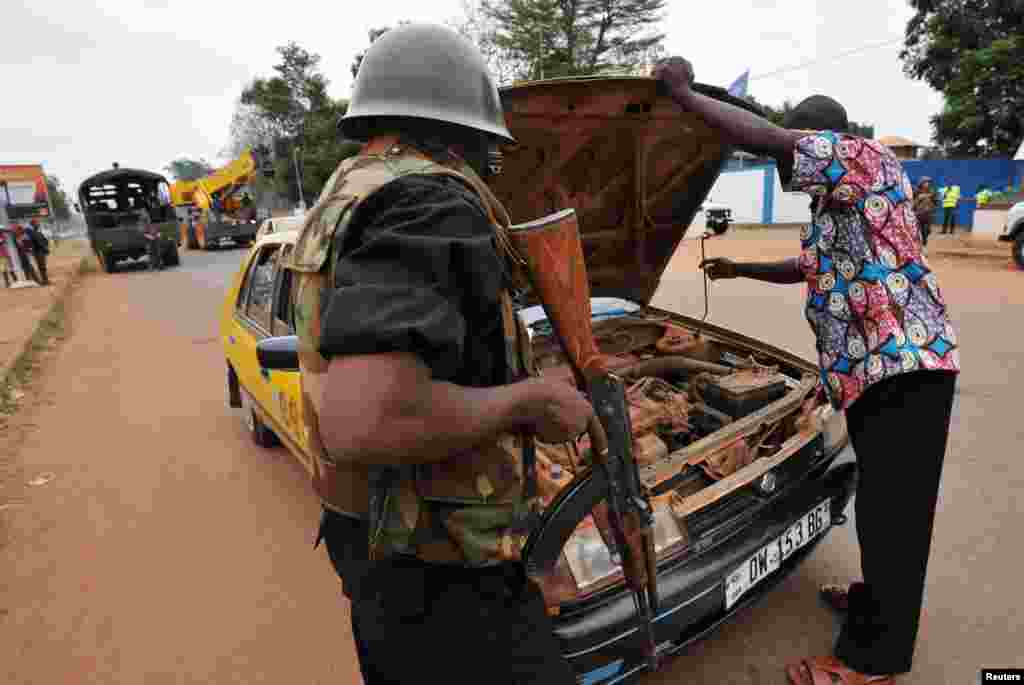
551,253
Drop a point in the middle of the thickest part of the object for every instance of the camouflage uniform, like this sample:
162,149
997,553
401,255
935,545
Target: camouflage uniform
472,510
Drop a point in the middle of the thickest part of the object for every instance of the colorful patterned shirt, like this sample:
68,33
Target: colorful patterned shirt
872,300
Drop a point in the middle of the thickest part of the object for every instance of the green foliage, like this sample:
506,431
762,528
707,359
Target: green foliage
292,113
778,114
58,199
972,51
184,169
531,39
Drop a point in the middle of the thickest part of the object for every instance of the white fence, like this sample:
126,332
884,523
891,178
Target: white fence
755,196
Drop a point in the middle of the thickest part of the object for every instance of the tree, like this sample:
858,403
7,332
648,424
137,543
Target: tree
777,116
184,169
972,51
292,113
530,39
58,199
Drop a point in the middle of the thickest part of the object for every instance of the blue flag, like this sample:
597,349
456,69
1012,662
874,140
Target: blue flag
739,86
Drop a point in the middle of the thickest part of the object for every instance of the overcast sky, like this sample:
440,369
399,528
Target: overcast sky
141,82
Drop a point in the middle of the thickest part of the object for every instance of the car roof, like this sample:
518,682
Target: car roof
287,237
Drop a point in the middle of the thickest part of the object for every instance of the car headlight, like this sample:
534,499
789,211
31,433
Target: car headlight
591,563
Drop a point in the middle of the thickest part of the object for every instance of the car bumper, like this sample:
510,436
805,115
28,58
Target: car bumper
604,645
231,231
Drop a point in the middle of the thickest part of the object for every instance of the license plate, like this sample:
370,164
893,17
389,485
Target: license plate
770,557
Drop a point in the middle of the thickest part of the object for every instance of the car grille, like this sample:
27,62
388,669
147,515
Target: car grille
715,523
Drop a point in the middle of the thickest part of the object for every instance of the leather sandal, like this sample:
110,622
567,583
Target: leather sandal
828,670
836,597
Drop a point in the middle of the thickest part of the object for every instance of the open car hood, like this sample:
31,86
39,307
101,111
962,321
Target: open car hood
633,164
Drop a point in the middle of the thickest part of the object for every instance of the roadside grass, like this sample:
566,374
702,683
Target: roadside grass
51,328
48,333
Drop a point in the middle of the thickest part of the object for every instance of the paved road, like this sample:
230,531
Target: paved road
169,549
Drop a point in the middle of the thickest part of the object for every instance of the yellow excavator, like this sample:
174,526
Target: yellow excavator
218,208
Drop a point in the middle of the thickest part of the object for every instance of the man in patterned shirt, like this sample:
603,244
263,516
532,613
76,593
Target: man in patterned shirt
887,351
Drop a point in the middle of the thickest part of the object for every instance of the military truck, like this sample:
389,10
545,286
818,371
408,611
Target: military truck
113,203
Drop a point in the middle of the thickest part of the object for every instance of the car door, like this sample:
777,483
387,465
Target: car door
235,332
287,385
252,323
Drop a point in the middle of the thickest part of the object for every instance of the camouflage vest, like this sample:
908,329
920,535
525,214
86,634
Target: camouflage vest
472,509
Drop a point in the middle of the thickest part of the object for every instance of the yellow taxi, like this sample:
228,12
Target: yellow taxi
258,307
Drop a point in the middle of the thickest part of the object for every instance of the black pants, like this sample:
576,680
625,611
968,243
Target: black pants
347,542
948,214
27,266
44,279
156,254
898,429
422,623
924,222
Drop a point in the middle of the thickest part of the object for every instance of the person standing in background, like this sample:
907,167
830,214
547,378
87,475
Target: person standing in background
6,260
950,201
983,196
40,246
925,203
152,235
23,244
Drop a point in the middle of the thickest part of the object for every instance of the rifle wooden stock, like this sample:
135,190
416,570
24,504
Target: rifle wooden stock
553,256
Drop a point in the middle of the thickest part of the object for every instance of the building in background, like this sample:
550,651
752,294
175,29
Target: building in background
901,147
27,194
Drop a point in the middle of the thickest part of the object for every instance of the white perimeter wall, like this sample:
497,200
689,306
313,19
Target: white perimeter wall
789,208
740,191
743,192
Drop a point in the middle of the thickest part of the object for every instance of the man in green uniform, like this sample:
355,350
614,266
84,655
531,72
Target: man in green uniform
418,389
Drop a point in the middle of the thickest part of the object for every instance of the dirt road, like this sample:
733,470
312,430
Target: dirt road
169,549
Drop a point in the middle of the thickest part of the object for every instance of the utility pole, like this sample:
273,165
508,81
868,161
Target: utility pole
298,176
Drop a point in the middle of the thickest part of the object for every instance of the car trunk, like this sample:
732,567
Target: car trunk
720,421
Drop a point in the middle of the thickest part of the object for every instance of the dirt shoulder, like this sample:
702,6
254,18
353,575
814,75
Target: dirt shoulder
35,323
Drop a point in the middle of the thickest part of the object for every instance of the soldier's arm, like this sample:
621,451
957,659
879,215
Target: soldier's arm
417,278
386,409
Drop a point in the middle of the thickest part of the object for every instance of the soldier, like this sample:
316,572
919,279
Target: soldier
418,388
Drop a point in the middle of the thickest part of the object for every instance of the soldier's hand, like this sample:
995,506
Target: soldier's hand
558,412
676,73
719,267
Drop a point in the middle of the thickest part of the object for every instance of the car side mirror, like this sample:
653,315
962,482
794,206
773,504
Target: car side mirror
280,353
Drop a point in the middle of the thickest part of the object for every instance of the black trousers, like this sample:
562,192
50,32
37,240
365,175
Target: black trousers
948,215
28,267
924,222
422,623
347,542
41,261
898,429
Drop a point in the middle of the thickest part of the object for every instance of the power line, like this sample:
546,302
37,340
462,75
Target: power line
810,63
